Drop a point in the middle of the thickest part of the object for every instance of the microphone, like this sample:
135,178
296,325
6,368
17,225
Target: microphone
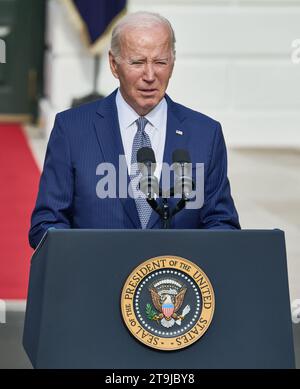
183,173
147,165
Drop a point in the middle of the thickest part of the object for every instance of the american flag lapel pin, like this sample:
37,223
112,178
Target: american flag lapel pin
179,132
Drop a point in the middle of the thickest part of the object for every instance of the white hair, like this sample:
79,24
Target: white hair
136,20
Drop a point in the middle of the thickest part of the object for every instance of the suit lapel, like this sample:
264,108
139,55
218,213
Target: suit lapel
173,141
110,141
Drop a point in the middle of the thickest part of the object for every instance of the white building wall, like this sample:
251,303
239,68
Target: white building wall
234,63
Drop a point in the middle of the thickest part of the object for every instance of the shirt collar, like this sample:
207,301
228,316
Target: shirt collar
158,114
127,114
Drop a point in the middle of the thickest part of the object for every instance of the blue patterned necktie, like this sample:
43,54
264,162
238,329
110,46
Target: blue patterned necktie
141,139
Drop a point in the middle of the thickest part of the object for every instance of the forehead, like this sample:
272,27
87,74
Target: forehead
154,40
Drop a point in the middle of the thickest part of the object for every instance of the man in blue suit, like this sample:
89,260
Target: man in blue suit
137,114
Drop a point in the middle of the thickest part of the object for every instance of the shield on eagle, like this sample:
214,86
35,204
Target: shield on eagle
168,310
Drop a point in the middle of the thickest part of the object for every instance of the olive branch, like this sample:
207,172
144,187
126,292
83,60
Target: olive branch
150,312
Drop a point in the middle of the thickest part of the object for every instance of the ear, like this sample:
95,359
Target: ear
113,65
173,64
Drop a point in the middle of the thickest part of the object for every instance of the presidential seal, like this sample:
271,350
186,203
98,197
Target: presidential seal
167,303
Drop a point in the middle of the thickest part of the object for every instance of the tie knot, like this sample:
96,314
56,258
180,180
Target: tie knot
141,123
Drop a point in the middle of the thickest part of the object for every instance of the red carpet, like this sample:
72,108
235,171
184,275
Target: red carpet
19,177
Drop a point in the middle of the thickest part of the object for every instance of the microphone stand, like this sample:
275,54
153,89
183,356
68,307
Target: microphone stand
164,211
166,219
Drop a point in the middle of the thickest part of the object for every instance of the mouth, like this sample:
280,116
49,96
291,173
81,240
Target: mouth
148,91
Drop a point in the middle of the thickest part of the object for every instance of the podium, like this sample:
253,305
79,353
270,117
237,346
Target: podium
73,316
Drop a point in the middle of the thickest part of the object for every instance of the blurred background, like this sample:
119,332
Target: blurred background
237,61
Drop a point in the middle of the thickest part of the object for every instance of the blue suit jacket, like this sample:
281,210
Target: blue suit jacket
84,137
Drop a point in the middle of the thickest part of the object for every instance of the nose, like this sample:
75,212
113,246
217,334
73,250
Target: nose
149,73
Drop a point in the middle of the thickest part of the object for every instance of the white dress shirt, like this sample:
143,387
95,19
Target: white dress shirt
156,129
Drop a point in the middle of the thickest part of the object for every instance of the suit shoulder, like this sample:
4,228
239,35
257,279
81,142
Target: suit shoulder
196,116
81,111
76,122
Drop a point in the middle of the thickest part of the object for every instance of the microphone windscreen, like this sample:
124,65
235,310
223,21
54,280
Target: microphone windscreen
145,155
181,156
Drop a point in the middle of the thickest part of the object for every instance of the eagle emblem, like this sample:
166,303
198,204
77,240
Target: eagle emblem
167,297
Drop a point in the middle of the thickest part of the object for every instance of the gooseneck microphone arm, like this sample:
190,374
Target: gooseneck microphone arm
184,184
149,184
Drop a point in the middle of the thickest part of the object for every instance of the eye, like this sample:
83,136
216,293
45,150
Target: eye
136,63
162,62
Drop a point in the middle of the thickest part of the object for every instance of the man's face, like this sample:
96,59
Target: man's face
145,66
